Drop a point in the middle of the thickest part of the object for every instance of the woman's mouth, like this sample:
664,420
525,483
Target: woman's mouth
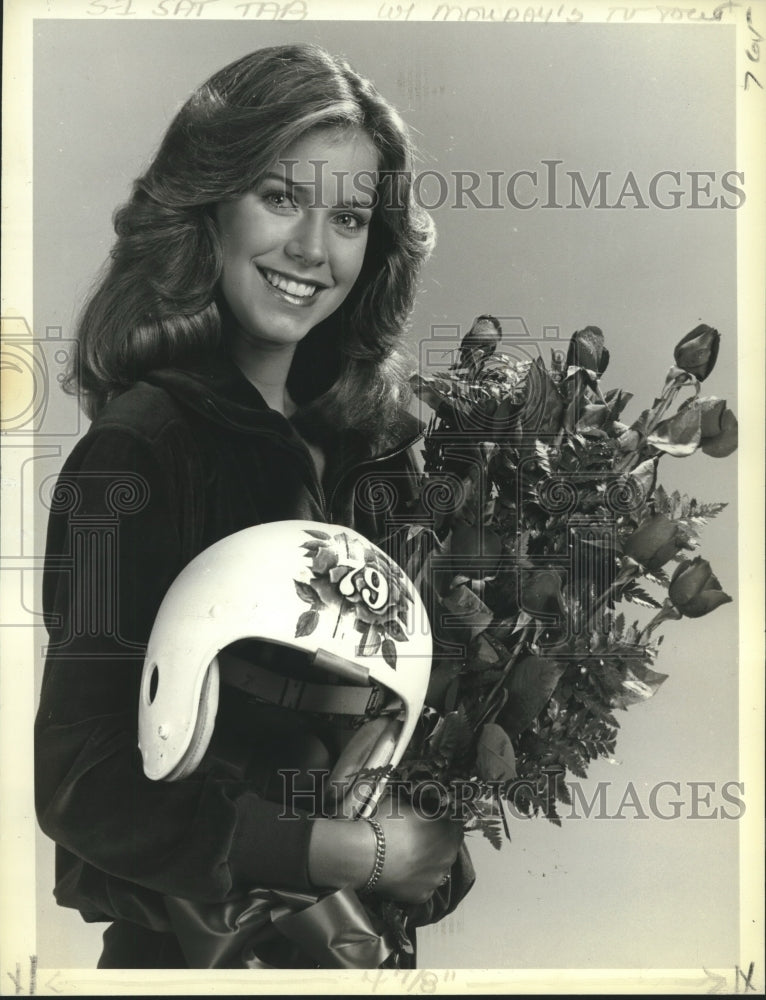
297,293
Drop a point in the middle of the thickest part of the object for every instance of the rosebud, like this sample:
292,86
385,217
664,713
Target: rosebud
586,349
696,353
695,590
655,542
719,427
480,342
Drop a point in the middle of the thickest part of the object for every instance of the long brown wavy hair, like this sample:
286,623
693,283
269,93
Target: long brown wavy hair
157,304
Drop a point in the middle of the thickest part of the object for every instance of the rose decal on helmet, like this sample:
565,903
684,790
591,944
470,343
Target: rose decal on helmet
356,578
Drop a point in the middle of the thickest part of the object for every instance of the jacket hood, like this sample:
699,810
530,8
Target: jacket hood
224,396
219,392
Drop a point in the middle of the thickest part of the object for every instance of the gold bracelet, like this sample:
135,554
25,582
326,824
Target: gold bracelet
380,856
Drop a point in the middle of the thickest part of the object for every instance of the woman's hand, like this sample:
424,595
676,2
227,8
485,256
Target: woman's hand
419,853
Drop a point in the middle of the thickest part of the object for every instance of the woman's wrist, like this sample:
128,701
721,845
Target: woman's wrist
341,853
380,856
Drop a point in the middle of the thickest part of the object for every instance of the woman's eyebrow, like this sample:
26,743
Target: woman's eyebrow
311,186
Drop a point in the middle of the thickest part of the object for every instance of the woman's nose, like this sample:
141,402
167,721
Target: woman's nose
308,243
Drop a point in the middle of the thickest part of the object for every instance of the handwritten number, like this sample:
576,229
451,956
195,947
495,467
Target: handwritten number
748,978
749,18
424,981
754,52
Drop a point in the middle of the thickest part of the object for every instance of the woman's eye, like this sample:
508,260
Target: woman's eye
278,199
350,222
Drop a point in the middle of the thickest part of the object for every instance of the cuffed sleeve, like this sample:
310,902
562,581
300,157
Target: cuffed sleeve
270,845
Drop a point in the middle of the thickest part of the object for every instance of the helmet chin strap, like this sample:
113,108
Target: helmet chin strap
372,746
346,669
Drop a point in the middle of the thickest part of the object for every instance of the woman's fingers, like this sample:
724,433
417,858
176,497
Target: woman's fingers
419,855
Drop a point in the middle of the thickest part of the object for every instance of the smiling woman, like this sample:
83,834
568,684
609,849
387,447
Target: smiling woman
293,250
240,361
235,142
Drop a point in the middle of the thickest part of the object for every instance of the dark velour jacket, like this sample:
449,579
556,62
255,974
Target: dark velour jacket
177,462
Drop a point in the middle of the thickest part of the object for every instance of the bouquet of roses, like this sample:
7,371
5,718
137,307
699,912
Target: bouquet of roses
540,513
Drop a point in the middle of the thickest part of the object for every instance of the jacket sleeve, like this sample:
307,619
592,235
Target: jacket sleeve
115,544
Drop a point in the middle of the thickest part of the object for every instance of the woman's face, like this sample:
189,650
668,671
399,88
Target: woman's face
294,246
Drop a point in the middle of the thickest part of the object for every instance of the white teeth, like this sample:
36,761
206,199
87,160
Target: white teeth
296,288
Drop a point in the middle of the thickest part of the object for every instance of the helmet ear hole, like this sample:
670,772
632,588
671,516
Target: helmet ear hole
154,680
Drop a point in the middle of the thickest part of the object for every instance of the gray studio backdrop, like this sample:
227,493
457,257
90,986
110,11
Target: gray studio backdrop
622,892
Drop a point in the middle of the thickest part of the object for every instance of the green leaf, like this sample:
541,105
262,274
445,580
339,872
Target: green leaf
337,573
645,475
370,643
680,435
561,792
388,649
522,620
443,673
452,735
618,399
662,504
642,422
307,622
636,595
316,533
482,654
531,683
543,452
395,630
489,827
472,613
639,684
660,577
495,759
709,510
307,593
324,560
413,530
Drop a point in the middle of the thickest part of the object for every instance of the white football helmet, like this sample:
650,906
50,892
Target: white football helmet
319,588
